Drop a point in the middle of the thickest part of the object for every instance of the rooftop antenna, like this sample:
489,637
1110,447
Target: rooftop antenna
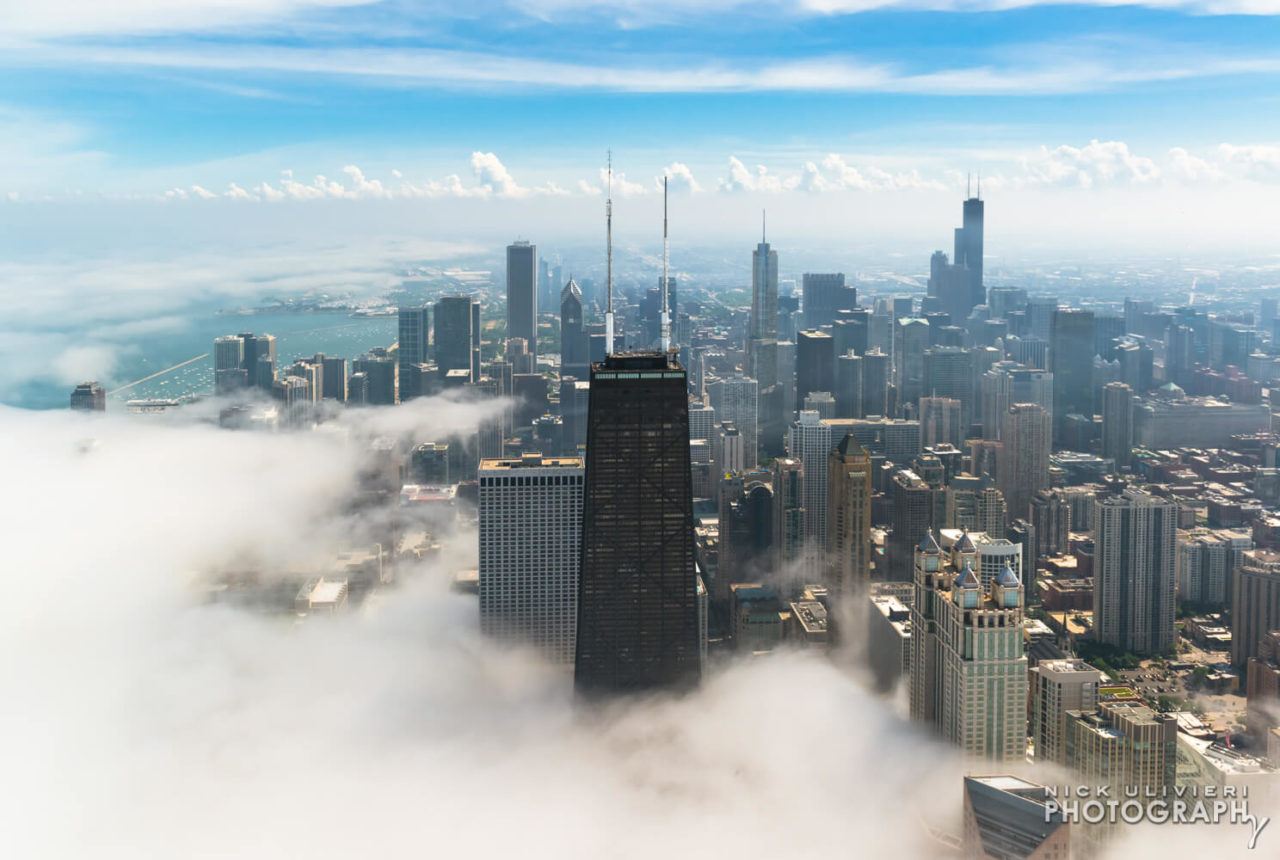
763,225
968,184
979,184
608,234
664,322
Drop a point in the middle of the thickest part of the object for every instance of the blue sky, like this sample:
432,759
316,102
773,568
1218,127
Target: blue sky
1165,107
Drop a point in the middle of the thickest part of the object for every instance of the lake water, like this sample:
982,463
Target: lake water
297,335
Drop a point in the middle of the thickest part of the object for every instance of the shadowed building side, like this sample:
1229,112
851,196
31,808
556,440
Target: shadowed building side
637,605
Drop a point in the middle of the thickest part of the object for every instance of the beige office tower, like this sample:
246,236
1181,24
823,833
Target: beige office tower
968,662
1059,686
849,516
530,534
1123,743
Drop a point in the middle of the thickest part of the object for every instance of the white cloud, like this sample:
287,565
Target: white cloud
1257,162
202,729
1192,168
741,179
679,178
1097,163
494,177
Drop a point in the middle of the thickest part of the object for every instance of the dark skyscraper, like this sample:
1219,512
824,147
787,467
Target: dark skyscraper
969,247
522,294
637,599
1071,346
573,334
815,364
455,349
823,295
413,347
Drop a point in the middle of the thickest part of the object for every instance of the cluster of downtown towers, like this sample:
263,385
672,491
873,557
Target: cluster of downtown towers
830,401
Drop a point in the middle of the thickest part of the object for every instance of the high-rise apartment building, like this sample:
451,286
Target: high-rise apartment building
1255,598
381,377
638,626
1207,559
1023,460
1135,539
522,294
530,549
1059,686
848,391
1117,423
910,340
1122,744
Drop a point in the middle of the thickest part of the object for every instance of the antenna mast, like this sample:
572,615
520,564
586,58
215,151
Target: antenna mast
664,322
608,233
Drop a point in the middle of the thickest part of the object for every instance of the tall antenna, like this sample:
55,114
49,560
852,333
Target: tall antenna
664,322
764,223
968,184
608,280
979,184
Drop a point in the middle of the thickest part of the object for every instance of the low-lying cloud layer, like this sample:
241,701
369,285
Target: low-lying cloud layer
146,723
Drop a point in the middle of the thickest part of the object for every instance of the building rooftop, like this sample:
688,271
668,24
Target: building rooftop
530,461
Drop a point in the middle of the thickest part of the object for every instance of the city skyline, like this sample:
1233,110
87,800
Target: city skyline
651,427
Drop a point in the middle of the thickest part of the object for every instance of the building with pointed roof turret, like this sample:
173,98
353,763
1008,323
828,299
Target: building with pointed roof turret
968,662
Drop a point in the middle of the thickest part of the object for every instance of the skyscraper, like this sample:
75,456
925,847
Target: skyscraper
940,422
815,364
1023,460
823,295
848,390
1135,538
762,336
849,515
1117,423
969,247
1058,686
736,399
413,347
573,334
454,330
530,548
968,666
89,397
1071,351
788,512
910,340
810,443
637,609
381,383
522,294
1255,598
229,371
